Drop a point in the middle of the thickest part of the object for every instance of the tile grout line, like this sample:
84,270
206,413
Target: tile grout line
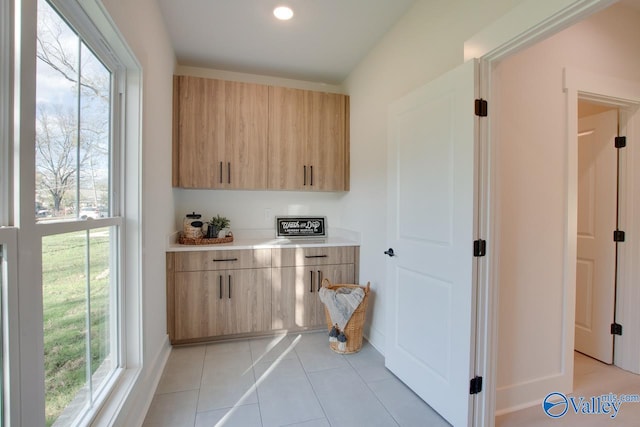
366,383
255,384
306,374
204,357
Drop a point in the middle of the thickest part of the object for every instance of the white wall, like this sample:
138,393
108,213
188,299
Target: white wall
530,139
425,43
142,26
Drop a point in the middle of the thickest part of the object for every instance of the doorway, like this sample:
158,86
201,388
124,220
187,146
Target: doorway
596,262
535,204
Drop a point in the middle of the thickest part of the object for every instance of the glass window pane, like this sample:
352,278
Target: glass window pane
73,113
64,304
94,136
78,273
58,53
100,284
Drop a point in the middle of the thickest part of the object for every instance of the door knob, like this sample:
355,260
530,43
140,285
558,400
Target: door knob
390,252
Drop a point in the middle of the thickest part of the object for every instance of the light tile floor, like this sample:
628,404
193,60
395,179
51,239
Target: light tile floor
591,378
289,380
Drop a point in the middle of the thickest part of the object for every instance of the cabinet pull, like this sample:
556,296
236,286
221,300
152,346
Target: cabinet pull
311,167
220,285
220,172
304,173
225,260
229,286
311,282
229,172
319,278
316,256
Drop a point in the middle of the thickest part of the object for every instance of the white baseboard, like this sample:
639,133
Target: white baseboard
135,409
375,338
529,393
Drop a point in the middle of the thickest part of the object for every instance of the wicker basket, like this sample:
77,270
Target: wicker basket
183,240
353,328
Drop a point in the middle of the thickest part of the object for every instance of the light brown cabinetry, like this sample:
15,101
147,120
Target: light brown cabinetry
227,293
220,134
297,276
218,293
308,140
233,135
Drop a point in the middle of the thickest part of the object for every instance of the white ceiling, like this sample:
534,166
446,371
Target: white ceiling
323,42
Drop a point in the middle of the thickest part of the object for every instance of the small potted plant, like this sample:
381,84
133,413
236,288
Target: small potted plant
217,224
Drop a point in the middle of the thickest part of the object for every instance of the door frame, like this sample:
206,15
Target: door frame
526,24
625,96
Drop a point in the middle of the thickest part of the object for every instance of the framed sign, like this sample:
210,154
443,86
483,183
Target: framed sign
301,226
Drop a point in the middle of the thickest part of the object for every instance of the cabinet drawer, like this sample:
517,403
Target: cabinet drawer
289,257
222,260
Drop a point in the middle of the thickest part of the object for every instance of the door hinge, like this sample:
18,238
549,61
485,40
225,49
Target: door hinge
479,247
618,236
621,141
482,108
616,329
475,385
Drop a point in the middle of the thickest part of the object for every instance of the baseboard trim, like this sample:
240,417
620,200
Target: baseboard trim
139,400
530,393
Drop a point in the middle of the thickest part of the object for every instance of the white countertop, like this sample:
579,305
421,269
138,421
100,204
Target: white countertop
256,239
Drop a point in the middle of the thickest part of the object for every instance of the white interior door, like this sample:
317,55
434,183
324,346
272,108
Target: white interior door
431,306
596,262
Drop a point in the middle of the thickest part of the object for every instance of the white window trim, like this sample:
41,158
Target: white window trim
31,371
6,82
10,349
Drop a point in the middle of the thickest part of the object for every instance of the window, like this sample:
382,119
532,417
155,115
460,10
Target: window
76,212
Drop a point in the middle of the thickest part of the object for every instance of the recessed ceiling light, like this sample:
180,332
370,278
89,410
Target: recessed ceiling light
283,13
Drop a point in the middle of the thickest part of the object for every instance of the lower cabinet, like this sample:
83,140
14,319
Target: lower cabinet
224,302
296,304
219,294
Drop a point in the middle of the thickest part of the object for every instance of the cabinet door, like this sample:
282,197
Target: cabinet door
295,301
326,141
248,293
201,125
200,305
214,303
246,132
287,139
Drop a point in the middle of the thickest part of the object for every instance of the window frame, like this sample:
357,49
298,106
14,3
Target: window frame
9,331
126,204
6,110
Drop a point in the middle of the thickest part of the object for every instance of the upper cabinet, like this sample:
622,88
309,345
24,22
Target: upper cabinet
231,135
308,140
220,134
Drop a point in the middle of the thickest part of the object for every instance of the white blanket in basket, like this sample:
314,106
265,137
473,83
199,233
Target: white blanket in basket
341,303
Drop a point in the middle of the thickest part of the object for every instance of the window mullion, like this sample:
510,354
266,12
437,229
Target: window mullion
78,130
88,316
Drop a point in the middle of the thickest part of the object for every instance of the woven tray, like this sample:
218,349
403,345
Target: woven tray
203,240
